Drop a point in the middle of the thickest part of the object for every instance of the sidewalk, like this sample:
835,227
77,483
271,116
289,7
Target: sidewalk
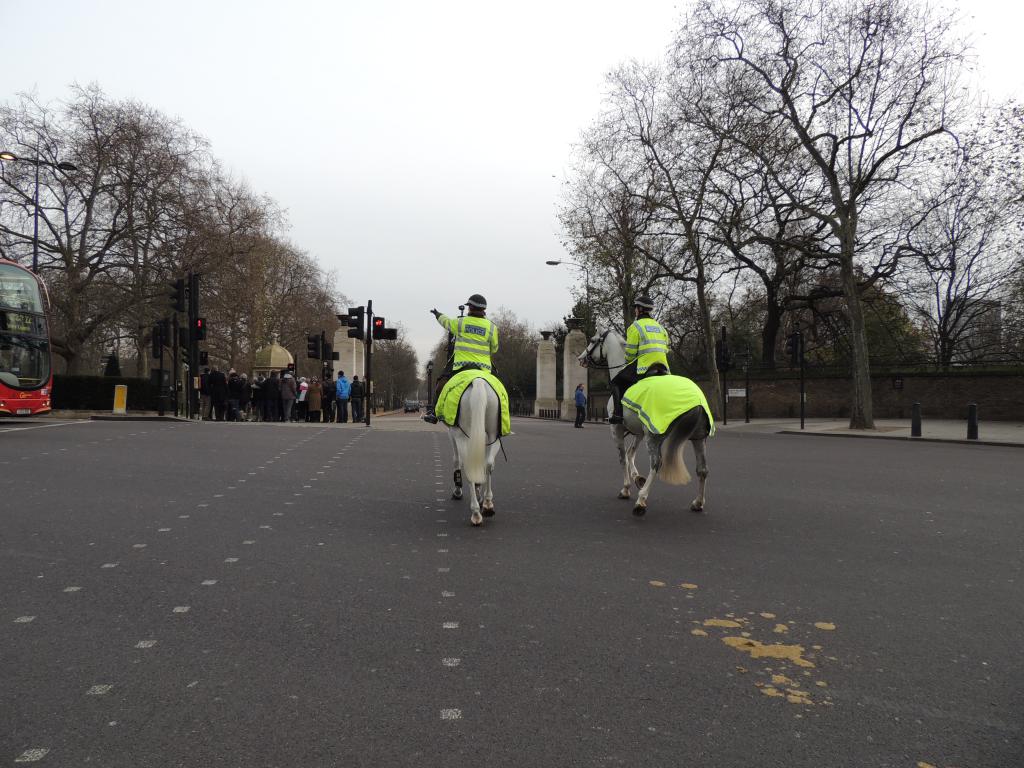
932,430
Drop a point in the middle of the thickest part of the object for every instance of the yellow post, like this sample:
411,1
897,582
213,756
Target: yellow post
121,399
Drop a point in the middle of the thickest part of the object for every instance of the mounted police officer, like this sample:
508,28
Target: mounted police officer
476,339
646,353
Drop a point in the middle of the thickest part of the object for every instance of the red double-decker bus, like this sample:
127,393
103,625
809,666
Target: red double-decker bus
26,376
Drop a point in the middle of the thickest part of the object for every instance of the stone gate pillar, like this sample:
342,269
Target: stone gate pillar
573,373
545,376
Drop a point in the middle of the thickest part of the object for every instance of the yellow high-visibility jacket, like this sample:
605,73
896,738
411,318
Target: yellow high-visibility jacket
476,339
647,343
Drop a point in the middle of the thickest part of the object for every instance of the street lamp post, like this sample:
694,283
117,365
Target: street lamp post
10,157
590,311
430,383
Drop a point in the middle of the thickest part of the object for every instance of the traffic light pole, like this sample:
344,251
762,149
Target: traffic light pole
193,342
175,360
368,384
803,394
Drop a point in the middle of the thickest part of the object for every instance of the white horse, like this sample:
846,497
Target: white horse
475,446
607,350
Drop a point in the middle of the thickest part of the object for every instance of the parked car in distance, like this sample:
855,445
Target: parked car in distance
412,406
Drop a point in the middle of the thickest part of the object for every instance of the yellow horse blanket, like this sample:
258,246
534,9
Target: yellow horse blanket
660,400
447,408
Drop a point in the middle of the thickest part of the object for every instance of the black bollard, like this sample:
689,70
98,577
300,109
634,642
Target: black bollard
915,420
972,421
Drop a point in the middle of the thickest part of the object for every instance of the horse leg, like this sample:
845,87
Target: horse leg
457,463
700,451
654,452
631,452
620,444
487,505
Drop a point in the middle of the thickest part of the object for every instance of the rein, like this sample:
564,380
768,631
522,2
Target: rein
591,360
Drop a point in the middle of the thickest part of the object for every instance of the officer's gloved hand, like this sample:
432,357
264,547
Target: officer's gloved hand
435,313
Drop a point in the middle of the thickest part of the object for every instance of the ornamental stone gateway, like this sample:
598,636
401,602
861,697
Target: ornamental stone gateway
573,373
546,406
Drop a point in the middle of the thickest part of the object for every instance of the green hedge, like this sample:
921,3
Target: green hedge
96,393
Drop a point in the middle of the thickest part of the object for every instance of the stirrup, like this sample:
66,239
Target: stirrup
615,419
430,418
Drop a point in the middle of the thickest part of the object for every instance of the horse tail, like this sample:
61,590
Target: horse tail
476,469
673,467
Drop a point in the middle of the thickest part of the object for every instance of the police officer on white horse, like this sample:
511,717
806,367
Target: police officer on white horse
646,353
476,339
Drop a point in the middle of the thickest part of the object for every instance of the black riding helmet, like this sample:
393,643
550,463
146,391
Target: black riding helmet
478,301
643,301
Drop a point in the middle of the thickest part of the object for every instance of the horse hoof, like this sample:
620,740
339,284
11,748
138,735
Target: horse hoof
623,494
488,511
698,508
639,511
476,519
640,481
457,493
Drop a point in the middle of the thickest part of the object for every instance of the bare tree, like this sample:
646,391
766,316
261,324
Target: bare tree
861,89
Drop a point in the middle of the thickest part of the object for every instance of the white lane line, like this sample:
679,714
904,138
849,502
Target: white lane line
181,609
442,535
24,619
450,625
442,551
443,570
145,643
451,714
72,589
451,662
109,565
138,546
209,582
183,517
249,541
163,530
37,754
99,690
447,594
230,559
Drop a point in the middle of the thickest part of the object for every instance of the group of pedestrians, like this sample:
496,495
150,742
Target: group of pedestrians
279,397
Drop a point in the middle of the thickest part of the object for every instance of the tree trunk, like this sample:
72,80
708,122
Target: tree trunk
715,395
770,331
861,413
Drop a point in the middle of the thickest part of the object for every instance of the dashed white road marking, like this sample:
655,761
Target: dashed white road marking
37,754
138,546
109,565
442,535
450,625
99,690
72,589
442,551
145,643
24,619
443,570
163,530
181,609
209,582
249,541
451,714
451,662
447,594
230,559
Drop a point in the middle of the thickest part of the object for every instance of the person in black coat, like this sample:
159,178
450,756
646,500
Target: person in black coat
218,384
272,398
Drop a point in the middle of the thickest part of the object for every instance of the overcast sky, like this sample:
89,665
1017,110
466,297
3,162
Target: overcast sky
418,147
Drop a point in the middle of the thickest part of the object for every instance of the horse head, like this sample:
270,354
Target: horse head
605,350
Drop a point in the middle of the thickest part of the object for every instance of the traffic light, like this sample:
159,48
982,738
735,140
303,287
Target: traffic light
158,339
313,346
177,295
200,328
356,321
380,332
794,344
327,351
723,356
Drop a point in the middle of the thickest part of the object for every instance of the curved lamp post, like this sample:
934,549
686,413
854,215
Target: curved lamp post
10,157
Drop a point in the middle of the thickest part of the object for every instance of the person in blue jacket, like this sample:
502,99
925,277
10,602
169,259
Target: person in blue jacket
581,407
343,390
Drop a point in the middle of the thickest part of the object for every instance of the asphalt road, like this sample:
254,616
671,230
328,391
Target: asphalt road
291,595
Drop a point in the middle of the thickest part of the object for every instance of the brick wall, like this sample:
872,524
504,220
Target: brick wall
1000,396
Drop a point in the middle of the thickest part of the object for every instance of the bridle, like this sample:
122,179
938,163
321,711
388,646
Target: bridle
601,363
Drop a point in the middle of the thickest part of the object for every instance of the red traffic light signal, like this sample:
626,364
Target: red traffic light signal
200,328
382,333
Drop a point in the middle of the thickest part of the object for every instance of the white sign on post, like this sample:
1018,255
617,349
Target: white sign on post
737,393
